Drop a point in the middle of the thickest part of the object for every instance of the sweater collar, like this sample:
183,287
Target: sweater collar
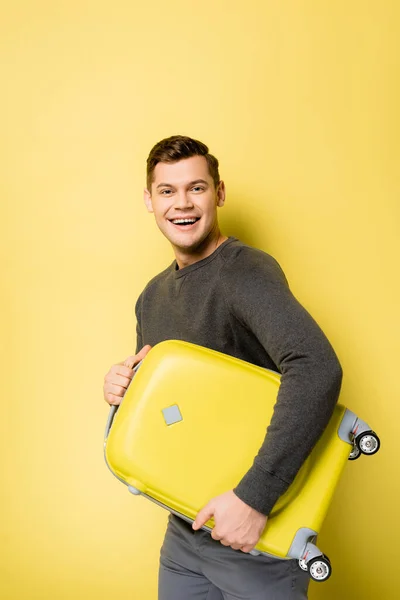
200,263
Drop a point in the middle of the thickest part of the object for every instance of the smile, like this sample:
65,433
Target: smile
184,223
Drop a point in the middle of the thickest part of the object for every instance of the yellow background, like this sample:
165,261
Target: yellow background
299,101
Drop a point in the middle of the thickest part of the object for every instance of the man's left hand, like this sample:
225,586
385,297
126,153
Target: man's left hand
236,523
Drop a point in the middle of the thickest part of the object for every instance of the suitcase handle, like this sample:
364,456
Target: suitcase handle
115,407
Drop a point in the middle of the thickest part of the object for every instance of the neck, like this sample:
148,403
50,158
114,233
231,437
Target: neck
185,257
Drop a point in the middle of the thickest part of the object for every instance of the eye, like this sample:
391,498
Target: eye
165,192
197,187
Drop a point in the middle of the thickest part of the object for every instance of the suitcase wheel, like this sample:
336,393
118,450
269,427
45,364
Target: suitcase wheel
355,453
368,442
319,568
302,564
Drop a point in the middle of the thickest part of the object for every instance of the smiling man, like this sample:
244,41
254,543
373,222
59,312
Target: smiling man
186,210
230,297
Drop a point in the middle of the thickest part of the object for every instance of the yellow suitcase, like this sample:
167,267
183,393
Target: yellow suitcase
184,394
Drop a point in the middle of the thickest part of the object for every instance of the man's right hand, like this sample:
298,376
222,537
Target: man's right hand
118,378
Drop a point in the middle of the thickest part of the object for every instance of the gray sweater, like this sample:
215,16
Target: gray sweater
237,301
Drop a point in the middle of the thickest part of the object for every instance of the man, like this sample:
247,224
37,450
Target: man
229,297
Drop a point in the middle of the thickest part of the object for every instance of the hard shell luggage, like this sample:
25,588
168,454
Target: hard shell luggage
174,440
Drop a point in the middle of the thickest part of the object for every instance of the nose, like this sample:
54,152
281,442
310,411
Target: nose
183,200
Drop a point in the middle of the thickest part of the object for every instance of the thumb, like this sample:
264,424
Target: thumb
203,516
140,355
132,361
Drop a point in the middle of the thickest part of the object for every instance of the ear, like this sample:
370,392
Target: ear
221,192
147,200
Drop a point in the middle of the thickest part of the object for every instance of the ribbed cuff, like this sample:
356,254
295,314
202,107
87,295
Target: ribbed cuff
260,489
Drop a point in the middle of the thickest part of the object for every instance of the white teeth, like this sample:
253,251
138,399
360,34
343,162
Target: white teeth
177,221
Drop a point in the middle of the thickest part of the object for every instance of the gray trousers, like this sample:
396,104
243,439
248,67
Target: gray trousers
194,566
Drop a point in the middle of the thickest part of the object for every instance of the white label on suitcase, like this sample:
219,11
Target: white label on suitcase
172,414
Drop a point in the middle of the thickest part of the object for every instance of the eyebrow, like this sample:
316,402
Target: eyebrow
191,183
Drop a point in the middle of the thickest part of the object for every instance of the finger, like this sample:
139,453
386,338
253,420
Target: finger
222,541
118,380
203,516
216,536
122,370
246,549
116,390
236,546
143,352
132,361
112,400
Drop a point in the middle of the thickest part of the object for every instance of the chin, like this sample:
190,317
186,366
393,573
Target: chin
185,241
186,244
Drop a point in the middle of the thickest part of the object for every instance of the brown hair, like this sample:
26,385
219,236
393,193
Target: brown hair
177,147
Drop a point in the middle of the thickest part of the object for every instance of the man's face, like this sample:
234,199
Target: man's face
185,190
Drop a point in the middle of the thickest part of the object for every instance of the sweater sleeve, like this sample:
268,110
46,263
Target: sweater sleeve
258,295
